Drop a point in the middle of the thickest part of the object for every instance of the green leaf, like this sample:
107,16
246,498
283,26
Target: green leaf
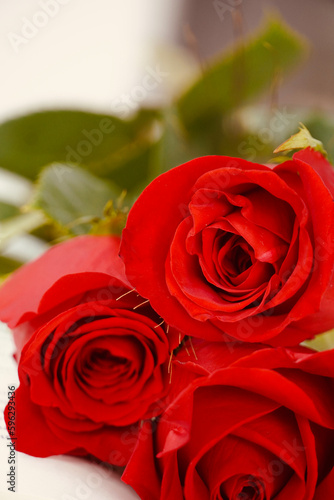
114,218
29,143
322,125
50,232
130,169
243,74
7,210
162,144
133,165
301,140
72,197
277,160
7,266
174,146
321,342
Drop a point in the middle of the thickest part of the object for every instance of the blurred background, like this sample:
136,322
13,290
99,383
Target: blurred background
69,53
311,84
177,78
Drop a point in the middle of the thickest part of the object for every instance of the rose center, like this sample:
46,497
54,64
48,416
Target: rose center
248,493
251,492
104,358
234,256
240,259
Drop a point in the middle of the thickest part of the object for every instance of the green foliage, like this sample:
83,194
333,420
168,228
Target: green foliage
321,125
249,69
72,197
132,152
7,210
84,163
303,139
7,266
114,218
322,342
30,142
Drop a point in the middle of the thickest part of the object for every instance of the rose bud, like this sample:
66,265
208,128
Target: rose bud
226,248
93,355
251,423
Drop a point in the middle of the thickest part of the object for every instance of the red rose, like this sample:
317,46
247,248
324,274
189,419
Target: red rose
227,248
258,426
96,362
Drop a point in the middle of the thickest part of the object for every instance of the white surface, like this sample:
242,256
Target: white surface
53,478
17,191
87,54
14,189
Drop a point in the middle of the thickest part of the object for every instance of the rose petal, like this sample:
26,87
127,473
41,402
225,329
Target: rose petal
143,455
326,487
176,188
63,272
319,163
34,436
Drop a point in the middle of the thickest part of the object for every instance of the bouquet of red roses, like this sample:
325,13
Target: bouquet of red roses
175,351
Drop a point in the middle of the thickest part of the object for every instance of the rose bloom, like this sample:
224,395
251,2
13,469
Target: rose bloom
247,422
226,248
93,359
